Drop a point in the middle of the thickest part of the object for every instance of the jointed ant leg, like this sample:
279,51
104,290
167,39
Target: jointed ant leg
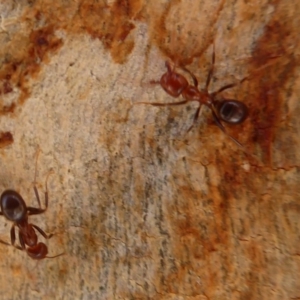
42,232
228,86
46,192
33,210
8,244
22,243
163,104
195,80
210,73
220,125
195,117
34,182
13,235
56,255
5,243
13,239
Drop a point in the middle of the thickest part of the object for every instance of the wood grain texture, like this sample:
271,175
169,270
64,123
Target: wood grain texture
142,209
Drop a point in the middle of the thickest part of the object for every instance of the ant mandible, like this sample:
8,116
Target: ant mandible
228,110
14,209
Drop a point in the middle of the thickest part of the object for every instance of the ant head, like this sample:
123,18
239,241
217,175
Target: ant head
172,82
13,206
231,111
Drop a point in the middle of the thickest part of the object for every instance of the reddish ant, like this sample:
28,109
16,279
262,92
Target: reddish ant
14,208
228,110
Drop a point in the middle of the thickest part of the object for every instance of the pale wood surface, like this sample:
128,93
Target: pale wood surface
142,209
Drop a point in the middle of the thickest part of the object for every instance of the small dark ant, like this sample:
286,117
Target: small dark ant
14,209
228,110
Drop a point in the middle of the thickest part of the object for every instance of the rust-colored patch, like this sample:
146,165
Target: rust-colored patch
196,238
178,36
6,138
24,63
30,48
268,85
41,42
112,25
6,87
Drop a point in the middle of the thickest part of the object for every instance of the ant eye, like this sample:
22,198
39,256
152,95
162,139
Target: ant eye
232,111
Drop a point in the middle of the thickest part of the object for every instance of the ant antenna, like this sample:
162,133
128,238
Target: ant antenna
63,253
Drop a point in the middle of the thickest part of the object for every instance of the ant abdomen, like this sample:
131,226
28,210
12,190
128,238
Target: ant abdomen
231,111
13,206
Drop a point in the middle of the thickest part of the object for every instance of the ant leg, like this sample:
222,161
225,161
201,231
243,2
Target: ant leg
33,210
220,125
46,192
8,244
13,239
22,243
210,73
195,117
13,235
228,86
195,80
5,243
34,182
56,255
42,232
163,104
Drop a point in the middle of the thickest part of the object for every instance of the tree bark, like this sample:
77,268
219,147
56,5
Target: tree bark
141,208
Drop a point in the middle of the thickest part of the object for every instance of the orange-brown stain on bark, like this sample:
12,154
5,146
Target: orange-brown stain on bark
6,139
271,68
200,231
268,84
111,24
176,35
32,47
41,42
257,271
24,63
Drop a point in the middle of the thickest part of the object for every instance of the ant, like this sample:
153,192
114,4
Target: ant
227,110
14,209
